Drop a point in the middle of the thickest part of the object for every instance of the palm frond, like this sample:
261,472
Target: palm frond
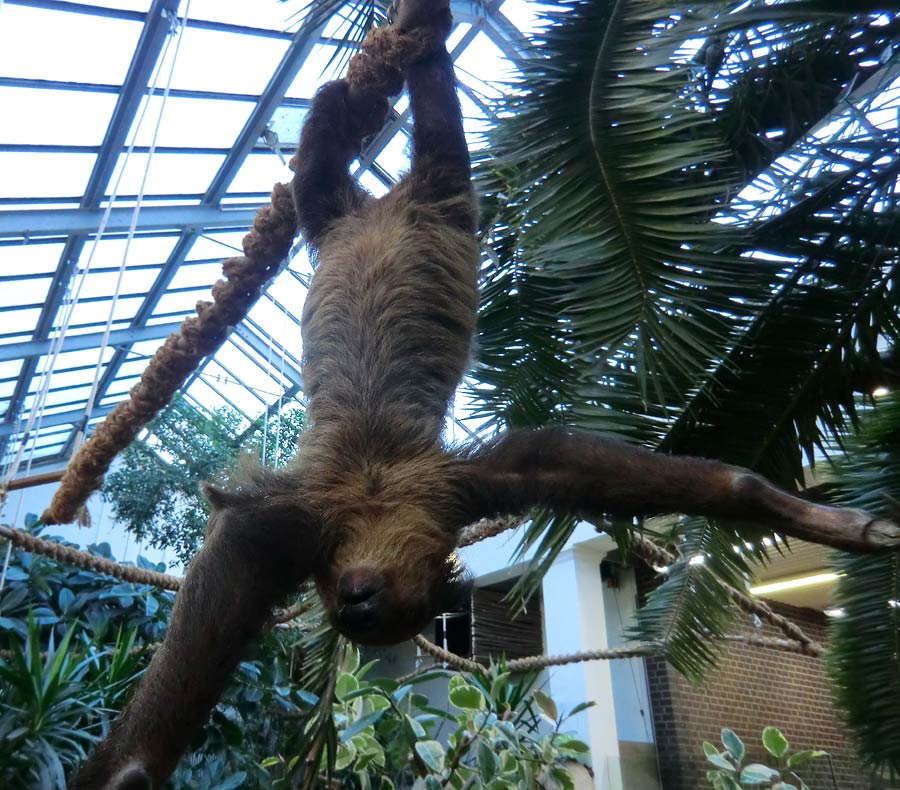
864,656
787,383
346,22
692,609
601,170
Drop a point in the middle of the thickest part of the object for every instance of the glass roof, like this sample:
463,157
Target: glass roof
109,104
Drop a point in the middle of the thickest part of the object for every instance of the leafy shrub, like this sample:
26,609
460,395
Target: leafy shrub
732,772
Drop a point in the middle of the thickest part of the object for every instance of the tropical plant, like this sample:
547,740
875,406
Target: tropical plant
500,733
864,662
155,489
732,770
691,210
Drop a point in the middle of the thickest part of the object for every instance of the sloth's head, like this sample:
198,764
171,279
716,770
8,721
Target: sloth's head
391,573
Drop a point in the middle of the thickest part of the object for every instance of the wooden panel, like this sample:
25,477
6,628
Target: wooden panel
495,631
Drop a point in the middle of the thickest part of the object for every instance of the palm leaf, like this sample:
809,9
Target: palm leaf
692,609
864,657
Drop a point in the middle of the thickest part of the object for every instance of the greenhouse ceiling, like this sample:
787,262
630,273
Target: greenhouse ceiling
137,140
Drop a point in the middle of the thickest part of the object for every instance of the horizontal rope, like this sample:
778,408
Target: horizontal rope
91,562
118,570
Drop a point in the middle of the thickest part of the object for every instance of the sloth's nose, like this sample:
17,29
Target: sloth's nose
359,586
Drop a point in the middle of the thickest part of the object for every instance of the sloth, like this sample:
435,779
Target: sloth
372,505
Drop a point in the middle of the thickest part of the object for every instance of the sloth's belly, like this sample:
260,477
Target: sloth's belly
389,319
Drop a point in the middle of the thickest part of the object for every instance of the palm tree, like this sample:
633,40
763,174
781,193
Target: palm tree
692,217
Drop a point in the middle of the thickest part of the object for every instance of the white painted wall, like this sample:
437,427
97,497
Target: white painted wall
581,612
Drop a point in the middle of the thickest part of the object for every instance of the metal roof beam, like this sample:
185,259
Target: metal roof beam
150,44
73,417
117,337
301,45
279,366
55,222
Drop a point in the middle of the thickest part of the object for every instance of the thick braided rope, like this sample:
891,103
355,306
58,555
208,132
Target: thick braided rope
265,247
446,657
386,53
814,649
81,559
118,570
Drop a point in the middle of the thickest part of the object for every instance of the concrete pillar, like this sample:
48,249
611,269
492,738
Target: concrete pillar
575,620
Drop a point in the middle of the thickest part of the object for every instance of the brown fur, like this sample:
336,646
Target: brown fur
373,501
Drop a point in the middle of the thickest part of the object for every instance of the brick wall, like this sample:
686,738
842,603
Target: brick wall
751,688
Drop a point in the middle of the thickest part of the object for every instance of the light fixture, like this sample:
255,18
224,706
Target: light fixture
880,392
793,584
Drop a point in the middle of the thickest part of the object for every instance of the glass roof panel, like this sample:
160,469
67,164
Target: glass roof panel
272,322
63,380
270,15
131,368
9,369
118,388
18,292
289,292
50,44
26,174
217,377
142,250
55,397
169,173
200,275
91,311
182,302
524,14
372,183
482,58
134,283
260,171
206,396
191,122
252,376
145,348
212,60
48,117
319,67
54,433
12,321
125,5
394,157
216,246
88,327
66,360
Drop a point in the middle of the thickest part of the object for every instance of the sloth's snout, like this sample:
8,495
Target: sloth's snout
360,593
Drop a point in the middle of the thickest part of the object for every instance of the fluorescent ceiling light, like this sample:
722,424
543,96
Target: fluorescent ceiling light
793,584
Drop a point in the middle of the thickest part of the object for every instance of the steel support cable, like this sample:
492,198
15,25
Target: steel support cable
104,343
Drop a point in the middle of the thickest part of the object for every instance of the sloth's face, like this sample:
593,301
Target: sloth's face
388,578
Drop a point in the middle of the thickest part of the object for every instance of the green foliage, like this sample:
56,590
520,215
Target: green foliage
731,771
387,735
155,490
640,289
864,656
72,642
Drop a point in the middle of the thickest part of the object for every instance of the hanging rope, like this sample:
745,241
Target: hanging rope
91,562
265,247
132,226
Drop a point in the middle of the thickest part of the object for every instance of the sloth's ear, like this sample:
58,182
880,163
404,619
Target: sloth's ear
219,497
